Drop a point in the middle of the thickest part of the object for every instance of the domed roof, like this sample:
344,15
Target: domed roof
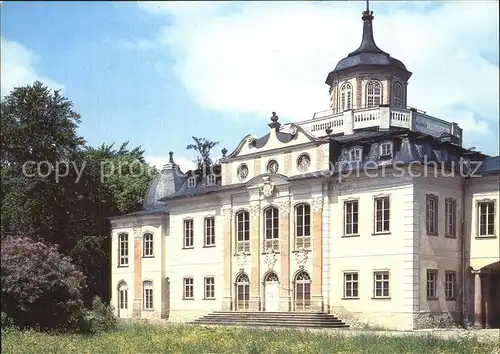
368,54
167,182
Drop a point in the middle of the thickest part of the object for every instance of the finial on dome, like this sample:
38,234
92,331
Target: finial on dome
171,158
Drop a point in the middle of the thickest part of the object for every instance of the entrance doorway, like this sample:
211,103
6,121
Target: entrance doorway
242,292
302,291
122,300
272,292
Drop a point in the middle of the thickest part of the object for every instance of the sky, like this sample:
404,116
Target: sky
156,74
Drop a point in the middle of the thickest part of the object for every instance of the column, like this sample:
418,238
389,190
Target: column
478,301
284,235
317,255
486,282
227,299
137,304
255,251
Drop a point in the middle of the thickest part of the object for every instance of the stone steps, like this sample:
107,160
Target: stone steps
272,319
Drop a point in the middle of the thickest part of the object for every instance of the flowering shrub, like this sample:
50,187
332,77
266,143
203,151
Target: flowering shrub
41,289
99,319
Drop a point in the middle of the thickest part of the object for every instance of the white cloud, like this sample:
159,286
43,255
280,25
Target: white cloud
18,68
185,164
274,56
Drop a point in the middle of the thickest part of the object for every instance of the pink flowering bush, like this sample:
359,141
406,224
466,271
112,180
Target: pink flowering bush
41,288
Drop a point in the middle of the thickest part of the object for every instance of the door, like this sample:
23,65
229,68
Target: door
271,293
123,301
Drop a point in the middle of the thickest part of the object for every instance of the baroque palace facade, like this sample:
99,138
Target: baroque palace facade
372,211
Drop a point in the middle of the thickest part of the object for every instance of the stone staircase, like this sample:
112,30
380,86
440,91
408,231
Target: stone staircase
272,319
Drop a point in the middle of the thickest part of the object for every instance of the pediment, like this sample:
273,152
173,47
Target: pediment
274,178
287,136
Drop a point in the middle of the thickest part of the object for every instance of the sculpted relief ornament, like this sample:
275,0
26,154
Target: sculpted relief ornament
317,204
254,210
267,187
241,258
301,257
285,206
226,212
270,258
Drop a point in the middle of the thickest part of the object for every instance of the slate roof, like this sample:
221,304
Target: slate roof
489,165
368,54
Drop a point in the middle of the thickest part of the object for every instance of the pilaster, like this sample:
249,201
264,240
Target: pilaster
227,300
255,284
478,300
317,255
137,304
285,300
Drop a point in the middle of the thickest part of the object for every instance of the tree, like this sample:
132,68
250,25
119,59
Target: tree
204,148
40,287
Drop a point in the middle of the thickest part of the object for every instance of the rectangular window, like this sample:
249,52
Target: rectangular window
450,217
351,215
303,226
123,301
486,218
148,295
450,284
382,215
147,240
351,285
122,250
386,149
188,288
210,288
381,287
188,234
210,231
431,214
431,283
243,232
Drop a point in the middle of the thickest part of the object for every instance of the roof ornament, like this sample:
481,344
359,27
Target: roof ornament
224,152
274,122
367,42
171,158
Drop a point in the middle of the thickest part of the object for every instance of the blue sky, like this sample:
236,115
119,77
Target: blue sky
157,74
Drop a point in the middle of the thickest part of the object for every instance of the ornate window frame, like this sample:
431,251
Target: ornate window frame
271,235
373,93
345,96
239,171
300,166
304,240
270,163
244,244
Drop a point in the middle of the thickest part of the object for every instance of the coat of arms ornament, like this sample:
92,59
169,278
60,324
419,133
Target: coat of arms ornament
267,188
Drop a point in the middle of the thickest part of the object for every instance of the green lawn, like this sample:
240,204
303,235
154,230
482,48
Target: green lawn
198,340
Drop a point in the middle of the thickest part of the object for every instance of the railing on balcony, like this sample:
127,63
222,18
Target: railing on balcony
400,118
367,117
334,123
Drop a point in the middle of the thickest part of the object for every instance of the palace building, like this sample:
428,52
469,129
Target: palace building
372,211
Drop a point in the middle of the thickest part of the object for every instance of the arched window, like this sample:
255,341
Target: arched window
123,249
243,231
122,296
302,291
271,229
242,292
272,277
345,96
373,93
303,226
397,95
147,245
148,295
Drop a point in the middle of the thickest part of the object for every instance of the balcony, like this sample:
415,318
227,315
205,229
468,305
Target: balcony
383,117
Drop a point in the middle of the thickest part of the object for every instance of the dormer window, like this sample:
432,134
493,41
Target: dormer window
345,96
397,97
386,149
373,93
191,182
210,180
355,155
272,166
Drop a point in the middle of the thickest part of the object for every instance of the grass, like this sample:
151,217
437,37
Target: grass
140,338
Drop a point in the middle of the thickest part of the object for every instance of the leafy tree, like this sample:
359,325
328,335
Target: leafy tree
204,148
40,287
